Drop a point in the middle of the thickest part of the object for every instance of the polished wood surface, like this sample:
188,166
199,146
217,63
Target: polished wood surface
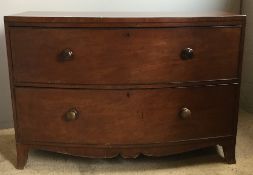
124,56
124,117
109,84
108,14
146,17
132,151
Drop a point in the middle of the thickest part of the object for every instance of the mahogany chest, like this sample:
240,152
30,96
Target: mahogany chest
101,85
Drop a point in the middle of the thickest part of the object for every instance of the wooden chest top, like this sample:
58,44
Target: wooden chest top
123,17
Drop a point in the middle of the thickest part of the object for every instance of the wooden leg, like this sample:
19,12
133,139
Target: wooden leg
229,152
22,155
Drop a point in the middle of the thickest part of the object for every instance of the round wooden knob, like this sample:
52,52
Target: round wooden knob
185,113
187,54
71,115
66,54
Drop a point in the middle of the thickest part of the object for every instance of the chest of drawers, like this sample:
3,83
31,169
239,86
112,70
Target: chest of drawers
109,84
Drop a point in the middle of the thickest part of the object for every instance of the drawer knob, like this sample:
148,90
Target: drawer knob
71,115
185,113
187,54
66,54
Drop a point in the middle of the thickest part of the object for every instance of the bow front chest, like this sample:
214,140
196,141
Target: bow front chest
107,84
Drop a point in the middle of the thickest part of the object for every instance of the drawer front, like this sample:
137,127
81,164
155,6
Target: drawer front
124,116
124,56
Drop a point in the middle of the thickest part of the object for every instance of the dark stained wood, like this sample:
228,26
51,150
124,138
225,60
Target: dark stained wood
126,151
127,81
229,151
11,77
240,73
131,151
133,56
126,17
119,15
207,83
22,155
241,51
109,117
127,25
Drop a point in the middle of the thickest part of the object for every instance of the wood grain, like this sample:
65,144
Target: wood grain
125,17
126,80
124,56
124,117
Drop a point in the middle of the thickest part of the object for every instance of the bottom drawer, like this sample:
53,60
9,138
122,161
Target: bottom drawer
124,116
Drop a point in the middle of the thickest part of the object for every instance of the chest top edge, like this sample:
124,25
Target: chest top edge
125,17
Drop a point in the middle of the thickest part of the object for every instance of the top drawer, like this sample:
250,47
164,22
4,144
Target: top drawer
123,55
